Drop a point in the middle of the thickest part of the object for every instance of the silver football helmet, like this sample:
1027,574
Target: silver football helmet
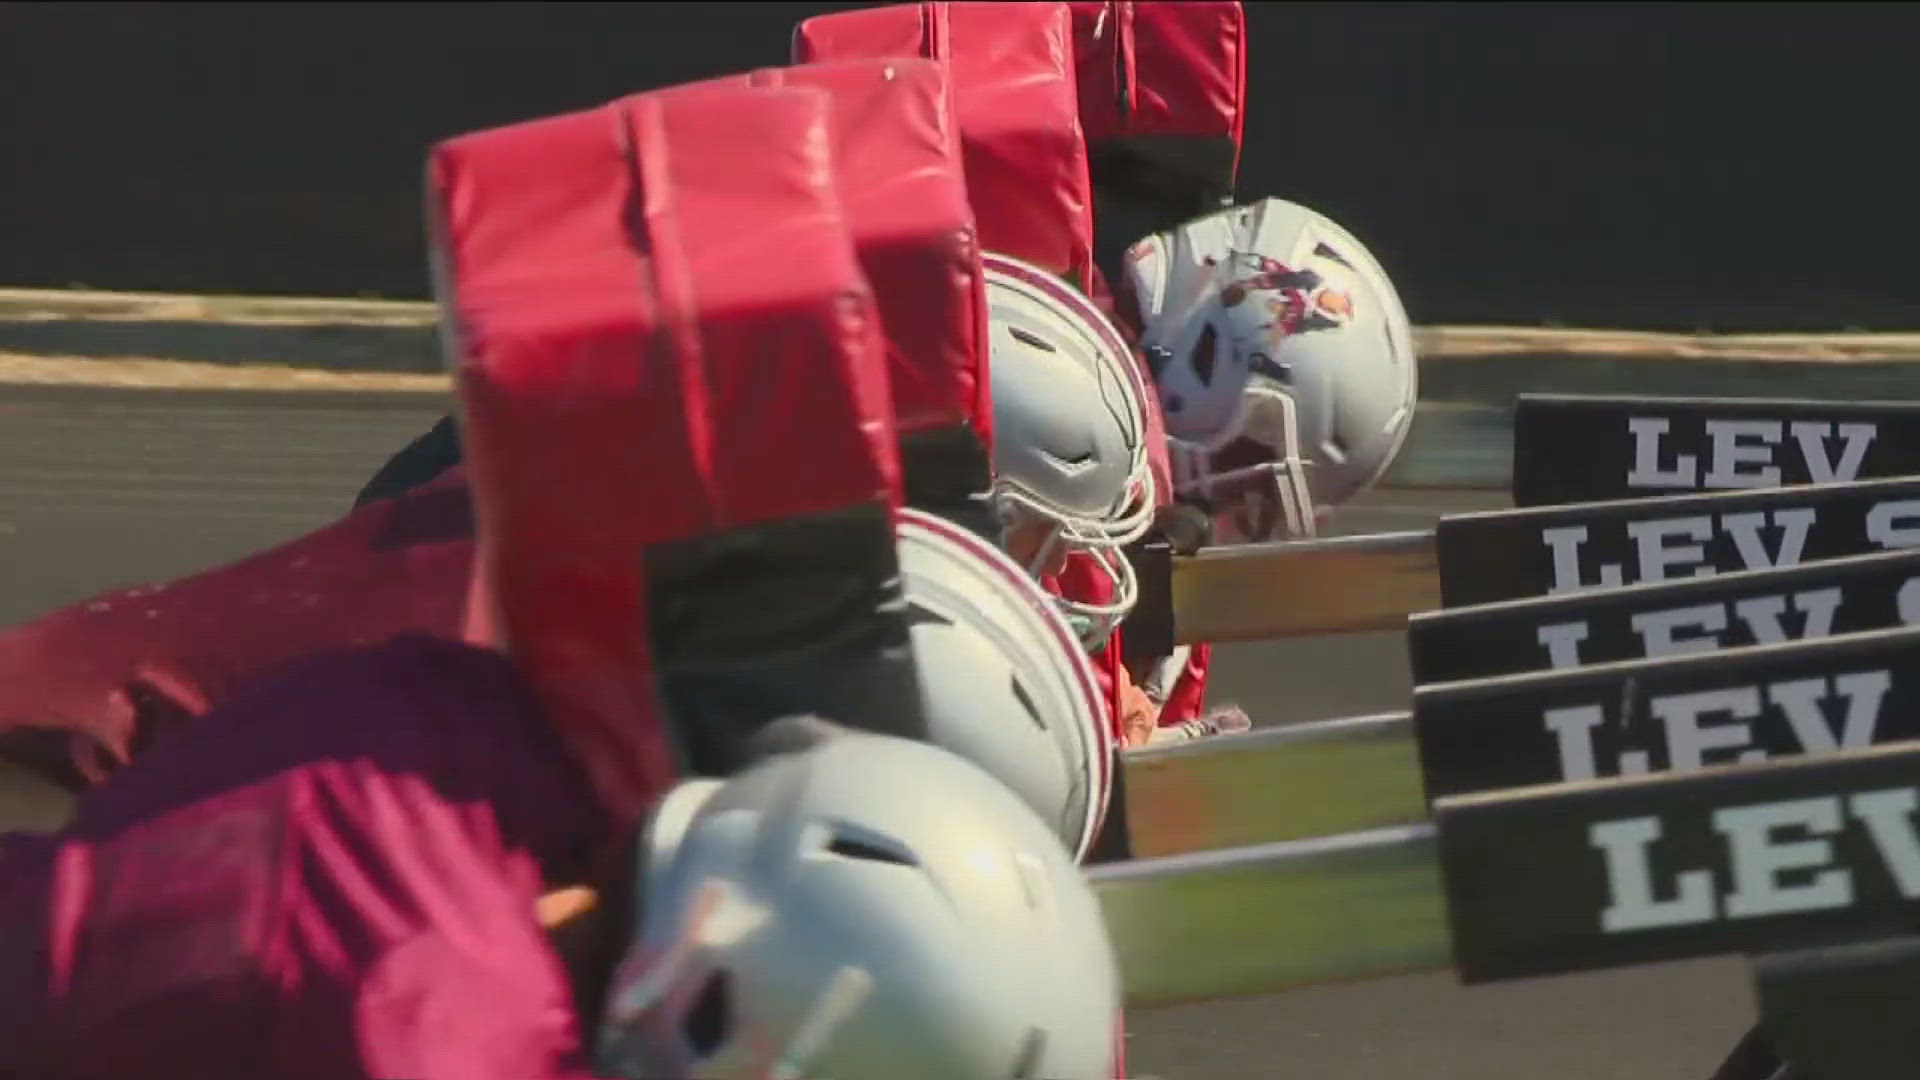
1069,430
864,908
1004,682
1284,363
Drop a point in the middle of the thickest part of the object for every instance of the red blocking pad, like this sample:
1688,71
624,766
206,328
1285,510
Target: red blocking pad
654,337
1018,108
1159,67
897,168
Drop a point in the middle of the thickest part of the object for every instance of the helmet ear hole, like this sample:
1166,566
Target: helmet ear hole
710,1020
1203,355
866,846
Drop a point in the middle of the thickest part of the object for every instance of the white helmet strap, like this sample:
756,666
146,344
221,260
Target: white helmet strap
1093,623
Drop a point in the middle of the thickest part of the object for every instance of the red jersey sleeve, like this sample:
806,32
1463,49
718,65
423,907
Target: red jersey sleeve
1188,698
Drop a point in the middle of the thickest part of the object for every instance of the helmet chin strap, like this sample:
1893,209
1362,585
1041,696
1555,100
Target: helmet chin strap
1092,623
1043,554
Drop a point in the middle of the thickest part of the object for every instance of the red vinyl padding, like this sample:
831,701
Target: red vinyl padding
1161,67
1017,102
651,342
897,167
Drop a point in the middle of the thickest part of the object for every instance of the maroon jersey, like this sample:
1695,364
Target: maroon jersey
332,876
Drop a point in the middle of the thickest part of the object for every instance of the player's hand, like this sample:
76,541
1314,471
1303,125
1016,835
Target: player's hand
1228,719
1139,714
566,906
1220,720
1187,526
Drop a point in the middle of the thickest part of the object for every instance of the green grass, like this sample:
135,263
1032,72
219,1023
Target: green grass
1282,791
1254,929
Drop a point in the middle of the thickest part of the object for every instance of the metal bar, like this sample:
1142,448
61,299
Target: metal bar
1278,783
1252,592
1274,917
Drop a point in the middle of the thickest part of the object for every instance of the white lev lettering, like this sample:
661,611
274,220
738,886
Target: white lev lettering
1698,628
1888,816
1769,873
1661,552
1761,614
1647,471
1819,606
1658,557
1821,469
1692,741
1657,629
1908,601
1894,524
1565,544
1742,454
1745,530
1803,701
1562,642
1572,730
1631,903
1759,858
1689,740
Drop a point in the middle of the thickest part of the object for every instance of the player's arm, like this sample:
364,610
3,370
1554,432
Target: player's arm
1139,712
335,855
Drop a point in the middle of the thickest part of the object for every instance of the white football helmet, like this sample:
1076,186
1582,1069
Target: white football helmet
1004,682
862,908
1283,359
1069,429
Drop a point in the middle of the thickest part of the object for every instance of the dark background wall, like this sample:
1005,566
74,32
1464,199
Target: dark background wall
1688,166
